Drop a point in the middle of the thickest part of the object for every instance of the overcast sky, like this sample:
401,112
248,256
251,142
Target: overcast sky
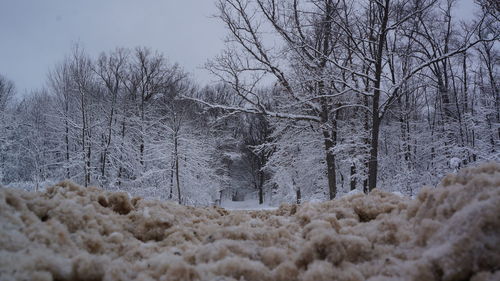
36,34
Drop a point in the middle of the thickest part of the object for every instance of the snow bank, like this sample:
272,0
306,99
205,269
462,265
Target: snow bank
71,233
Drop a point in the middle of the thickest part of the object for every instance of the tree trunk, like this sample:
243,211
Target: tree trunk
493,85
66,141
176,154
330,141
330,165
89,154
373,162
141,146
84,144
171,193
108,140
353,177
121,169
261,190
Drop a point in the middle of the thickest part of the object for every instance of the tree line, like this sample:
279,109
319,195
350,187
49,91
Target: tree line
314,98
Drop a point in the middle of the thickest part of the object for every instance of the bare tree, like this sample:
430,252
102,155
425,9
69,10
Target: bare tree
112,73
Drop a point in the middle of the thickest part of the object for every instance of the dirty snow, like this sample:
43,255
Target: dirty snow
451,232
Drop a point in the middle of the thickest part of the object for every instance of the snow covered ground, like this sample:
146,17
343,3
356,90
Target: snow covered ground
248,205
68,232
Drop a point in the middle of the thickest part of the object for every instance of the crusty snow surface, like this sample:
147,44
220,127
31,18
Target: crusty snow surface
451,232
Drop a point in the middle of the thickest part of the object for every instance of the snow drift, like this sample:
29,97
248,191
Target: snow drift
451,232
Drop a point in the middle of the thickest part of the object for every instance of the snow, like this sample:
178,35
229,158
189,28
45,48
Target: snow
68,232
248,205
455,163
397,193
352,192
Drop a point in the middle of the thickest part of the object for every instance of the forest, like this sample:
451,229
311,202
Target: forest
313,99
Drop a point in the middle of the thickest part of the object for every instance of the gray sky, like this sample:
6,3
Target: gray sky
36,34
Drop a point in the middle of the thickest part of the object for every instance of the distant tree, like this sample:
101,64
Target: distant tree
111,71
7,91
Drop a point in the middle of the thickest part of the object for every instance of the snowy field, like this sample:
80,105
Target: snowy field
451,232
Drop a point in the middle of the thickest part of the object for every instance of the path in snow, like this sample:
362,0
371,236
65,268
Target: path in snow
252,204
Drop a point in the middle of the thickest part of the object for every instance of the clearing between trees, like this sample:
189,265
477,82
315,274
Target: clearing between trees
451,232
